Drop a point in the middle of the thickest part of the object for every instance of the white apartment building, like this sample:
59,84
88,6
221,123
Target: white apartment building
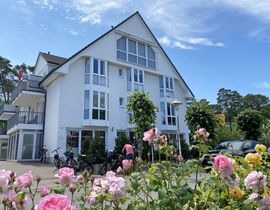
68,101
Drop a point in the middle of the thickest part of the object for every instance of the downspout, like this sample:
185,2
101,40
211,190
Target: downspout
44,117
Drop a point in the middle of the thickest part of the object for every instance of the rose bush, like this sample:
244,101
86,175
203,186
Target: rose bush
240,183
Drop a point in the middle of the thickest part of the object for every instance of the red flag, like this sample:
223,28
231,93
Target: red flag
20,75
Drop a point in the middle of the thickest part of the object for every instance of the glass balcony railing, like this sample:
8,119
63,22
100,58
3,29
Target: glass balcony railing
31,84
25,118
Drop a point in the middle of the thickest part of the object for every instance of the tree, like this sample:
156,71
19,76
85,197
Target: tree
200,113
249,121
256,101
7,83
231,103
143,114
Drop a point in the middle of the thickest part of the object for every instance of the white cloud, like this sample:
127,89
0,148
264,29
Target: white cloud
73,32
263,84
184,24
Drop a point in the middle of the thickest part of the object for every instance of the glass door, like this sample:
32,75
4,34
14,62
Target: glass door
28,143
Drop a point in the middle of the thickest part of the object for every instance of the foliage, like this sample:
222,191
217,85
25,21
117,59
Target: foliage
231,103
143,114
255,101
120,142
224,133
185,149
94,149
265,131
249,121
240,183
199,113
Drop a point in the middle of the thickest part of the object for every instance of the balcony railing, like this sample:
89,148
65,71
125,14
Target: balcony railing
25,118
31,84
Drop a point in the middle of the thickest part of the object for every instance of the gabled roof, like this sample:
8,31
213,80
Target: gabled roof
54,59
136,13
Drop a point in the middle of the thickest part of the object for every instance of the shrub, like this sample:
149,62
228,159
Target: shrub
120,142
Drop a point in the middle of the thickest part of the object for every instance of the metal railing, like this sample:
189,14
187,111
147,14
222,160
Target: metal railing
25,118
7,108
31,84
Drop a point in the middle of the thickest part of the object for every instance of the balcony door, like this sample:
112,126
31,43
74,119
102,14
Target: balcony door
28,146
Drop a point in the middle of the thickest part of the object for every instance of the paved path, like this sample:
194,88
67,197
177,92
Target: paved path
44,170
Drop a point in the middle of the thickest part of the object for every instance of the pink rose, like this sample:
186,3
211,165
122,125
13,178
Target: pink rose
7,174
3,183
150,135
253,196
180,158
66,175
24,180
43,191
116,186
110,173
254,180
55,202
127,164
92,199
224,165
119,170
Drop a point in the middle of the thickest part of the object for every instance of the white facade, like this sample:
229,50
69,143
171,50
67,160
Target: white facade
98,72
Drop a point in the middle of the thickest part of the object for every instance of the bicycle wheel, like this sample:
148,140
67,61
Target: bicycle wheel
58,163
90,169
72,163
103,169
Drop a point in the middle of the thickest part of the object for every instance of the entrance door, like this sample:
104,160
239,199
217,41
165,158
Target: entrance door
28,144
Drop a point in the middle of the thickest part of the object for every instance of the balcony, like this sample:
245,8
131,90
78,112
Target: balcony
27,91
26,120
7,111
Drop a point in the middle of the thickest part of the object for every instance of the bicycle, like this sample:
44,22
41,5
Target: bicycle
58,163
43,155
111,163
84,165
70,161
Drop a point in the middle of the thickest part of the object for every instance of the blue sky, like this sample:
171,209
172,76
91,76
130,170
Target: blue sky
213,43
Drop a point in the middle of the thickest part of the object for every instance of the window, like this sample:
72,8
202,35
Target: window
121,101
151,58
135,80
87,71
86,104
121,49
171,114
166,82
135,52
163,113
120,72
99,73
99,108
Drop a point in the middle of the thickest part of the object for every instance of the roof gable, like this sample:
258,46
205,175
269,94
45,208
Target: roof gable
129,22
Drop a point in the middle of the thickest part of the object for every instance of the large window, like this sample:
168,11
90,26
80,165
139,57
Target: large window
163,113
87,71
86,104
135,80
166,87
136,52
99,72
170,114
99,106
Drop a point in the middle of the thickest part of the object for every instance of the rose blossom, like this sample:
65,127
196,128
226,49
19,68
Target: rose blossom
43,191
3,183
24,180
119,170
126,164
253,196
116,186
150,135
224,165
110,173
91,200
55,202
254,180
66,175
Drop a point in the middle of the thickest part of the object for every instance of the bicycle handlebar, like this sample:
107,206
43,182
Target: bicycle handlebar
56,149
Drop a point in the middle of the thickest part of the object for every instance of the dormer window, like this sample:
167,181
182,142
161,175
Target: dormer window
135,52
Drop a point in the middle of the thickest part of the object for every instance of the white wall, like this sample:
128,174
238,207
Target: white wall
41,67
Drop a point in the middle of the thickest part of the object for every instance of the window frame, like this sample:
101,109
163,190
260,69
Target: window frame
97,109
98,77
